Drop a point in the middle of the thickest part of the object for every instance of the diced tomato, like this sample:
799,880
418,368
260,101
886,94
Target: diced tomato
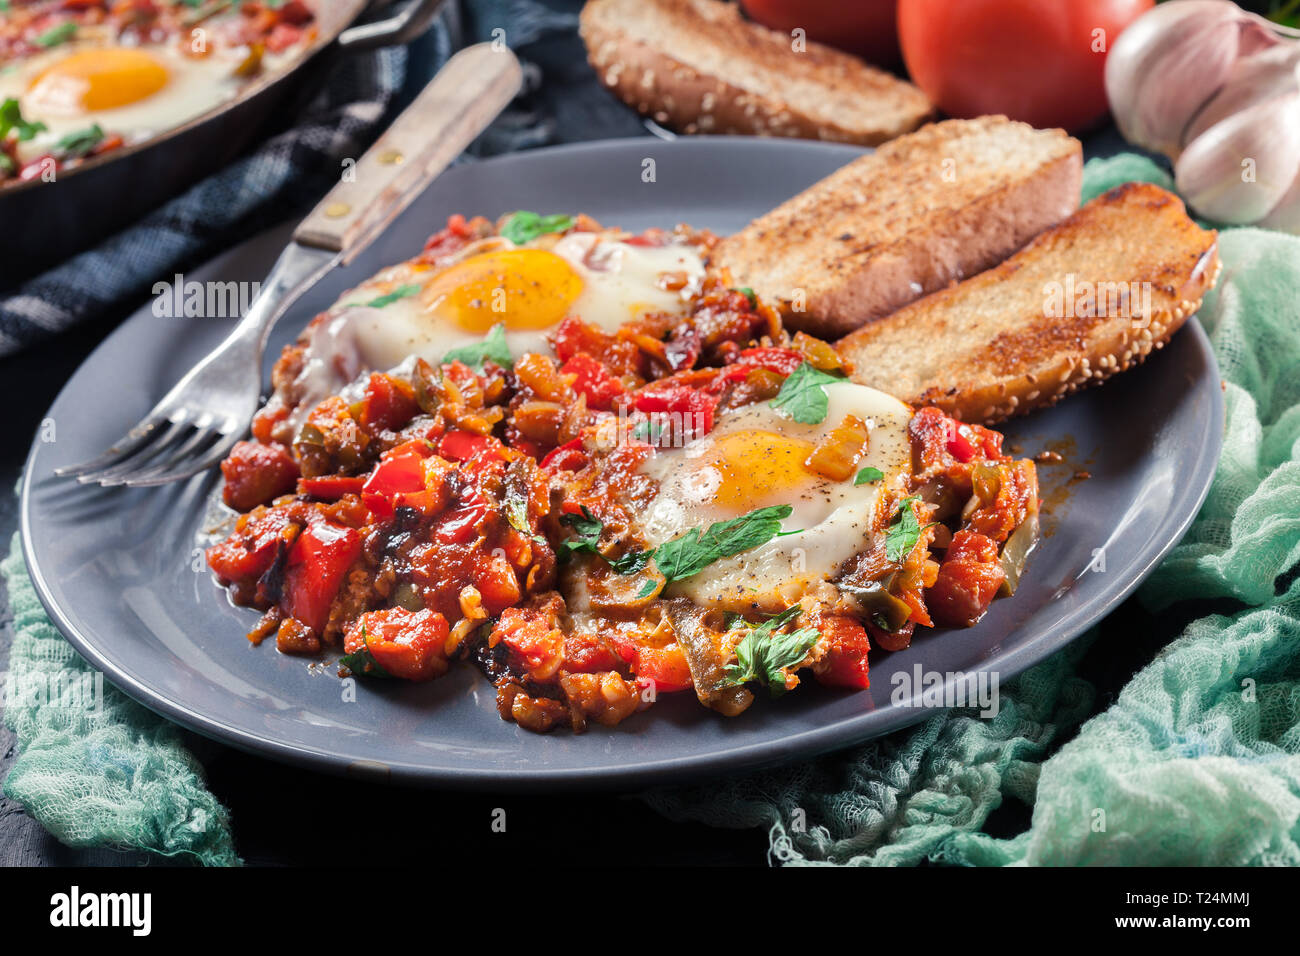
330,487
257,473
407,644
317,563
593,380
247,554
781,361
666,666
968,580
588,654
845,662
958,444
389,404
536,645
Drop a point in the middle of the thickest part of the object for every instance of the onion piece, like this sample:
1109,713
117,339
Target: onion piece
1015,553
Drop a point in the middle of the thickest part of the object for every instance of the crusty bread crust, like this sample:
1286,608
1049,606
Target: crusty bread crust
924,210
699,67
1026,333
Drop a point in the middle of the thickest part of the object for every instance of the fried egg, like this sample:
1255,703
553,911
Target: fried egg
756,457
425,311
132,91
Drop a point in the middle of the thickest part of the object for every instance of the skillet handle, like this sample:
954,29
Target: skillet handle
397,29
467,94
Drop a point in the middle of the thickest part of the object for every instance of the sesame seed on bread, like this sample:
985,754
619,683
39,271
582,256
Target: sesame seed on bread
922,211
1084,300
700,67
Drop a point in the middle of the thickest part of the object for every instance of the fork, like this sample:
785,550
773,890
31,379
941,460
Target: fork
196,424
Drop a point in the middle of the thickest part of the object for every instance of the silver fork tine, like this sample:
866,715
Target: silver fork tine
200,441
213,456
168,437
118,451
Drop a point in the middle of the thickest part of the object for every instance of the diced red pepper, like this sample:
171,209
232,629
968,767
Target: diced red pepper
462,445
400,471
567,457
781,361
588,654
247,554
407,644
593,380
317,563
461,522
694,407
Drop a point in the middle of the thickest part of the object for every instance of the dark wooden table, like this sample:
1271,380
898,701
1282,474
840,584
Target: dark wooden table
285,816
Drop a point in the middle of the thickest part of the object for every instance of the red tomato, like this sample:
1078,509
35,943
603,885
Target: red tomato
666,666
317,562
389,403
845,662
968,580
460,445
407,644
780,361
593,380
1040,61
330,487
257,473
399,472
864,27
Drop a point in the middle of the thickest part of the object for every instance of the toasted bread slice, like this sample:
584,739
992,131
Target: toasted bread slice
699,67
1084,300
922,211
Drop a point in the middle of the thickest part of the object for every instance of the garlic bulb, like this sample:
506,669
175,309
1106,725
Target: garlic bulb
1217,90
1190,46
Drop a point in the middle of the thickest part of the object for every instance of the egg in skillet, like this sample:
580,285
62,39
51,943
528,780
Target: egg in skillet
132,91
755,457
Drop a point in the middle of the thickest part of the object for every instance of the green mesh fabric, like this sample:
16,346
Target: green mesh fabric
1197,761
94,767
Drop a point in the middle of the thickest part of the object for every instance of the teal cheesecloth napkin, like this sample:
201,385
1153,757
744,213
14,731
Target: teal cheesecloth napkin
1195,761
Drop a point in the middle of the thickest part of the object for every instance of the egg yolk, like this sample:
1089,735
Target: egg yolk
92,80
757,468
525,288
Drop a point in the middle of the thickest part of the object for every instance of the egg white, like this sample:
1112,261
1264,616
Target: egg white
830,522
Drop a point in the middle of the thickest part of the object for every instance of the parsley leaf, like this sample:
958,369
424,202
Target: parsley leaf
763,655
57,34
632,562
401,292
683,557
647,589
11,118
525,226
748,293
803,394
361,662
587,528
493,348
904,531
868,474
80,143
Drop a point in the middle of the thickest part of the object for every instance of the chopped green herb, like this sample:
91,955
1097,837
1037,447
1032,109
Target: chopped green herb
525,226
868,474
401,292
632,562
748,293
648,431
647,589
57,34
803,394
904,531
587,528
11,119
763,655
80,143
683,557
493,348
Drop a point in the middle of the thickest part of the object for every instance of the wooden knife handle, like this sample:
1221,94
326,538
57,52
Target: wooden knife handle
458,104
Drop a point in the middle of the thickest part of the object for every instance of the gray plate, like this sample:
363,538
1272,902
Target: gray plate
121,574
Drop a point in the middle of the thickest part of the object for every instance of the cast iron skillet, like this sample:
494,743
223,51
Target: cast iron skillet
43,223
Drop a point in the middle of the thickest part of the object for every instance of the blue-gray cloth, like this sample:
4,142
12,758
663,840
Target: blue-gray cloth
283,177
